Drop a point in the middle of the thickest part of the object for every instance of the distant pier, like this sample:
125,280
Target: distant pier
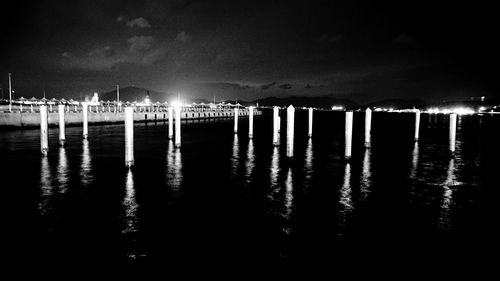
110,114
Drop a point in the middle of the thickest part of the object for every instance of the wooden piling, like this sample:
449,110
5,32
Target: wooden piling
85,112
368,127
290,130
178,126
44,130
275,125
348,134
129,136
310,127
62,133
250,122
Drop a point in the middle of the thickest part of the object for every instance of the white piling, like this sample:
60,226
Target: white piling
50,109
275,125
178,126
348,134
417,124
129,136
290,129
44,130
310,127
62,134
368,127
85,112
31,108
453,131
250,122
170,122
279,123
235,120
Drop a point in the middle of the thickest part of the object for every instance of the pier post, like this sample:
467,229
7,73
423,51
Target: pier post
453,132
44,130
50,107
290,128
85,112
31,108
62,133
129,136
368,127
279,124
275,125
178,126
348,134
170,122
417,124
250,122
310,127
235,120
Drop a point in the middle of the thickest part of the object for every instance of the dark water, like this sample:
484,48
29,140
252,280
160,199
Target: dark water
224,205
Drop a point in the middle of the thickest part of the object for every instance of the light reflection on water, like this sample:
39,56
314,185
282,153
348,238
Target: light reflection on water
63,171
450,182
346,204
250,163
308,166
174,168
45,186
129,204
275,169
86,166
235,157
366,175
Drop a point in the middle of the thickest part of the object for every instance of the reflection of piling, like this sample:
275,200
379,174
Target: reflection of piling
62,134
453,131
236,120
368,127
275,125
129,136
348,134
178,126
44,130
250,122
290,127
310,128
170,123
417,124
85,111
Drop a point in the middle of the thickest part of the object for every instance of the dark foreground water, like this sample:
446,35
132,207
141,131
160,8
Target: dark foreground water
224,205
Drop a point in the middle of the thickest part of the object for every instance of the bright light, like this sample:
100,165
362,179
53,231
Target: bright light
462,110
337,107
177,103
482,108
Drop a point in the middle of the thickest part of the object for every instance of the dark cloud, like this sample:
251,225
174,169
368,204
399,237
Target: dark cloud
183,37
140,43
138,23
104,52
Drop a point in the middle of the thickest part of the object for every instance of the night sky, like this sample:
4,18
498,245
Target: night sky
432,50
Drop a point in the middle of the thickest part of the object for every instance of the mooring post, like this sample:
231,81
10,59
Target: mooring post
31,108
62,134
85,112
348,134
178,126
310,127
129,136
170,122
275,125
44,130
417,124
368,127
250,122
235,120
290,128
279,124
50,107
453,131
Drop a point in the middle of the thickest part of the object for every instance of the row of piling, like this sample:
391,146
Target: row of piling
290,128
